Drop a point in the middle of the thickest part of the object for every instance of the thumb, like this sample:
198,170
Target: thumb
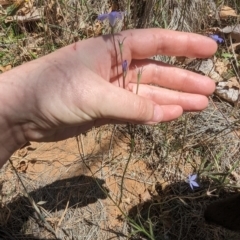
120,104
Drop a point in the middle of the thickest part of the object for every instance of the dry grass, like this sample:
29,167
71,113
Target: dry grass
77,185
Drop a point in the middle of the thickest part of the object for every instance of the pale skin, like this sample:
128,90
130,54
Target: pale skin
77,87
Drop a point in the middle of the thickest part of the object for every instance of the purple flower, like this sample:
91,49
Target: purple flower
192,181
124,66
216,38
112,17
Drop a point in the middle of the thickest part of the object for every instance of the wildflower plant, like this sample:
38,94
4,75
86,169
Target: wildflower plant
112,18
124,62
192,181
139,76
124,69
124,66
216,38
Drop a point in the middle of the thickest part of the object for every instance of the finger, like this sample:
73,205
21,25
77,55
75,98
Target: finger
188,102
169,76
144,43
138,44
169,113
121,105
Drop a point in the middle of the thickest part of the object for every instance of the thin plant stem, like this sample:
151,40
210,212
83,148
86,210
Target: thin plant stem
139,76
88,10
111,140
121,56
132,146
34,205
115,49
139,228
183,143
128,12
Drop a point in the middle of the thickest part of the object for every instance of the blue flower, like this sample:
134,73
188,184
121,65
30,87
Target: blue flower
125,66
192,181
216,38
112,17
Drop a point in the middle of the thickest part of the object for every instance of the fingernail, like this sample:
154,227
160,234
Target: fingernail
158,114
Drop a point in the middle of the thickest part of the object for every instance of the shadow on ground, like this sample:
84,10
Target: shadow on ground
77,192
177,212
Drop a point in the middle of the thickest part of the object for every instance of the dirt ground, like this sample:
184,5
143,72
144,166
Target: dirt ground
53,166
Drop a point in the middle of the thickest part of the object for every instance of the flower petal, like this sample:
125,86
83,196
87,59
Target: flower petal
195,184
102,17
216,38
119,15
125,65
113,16
192,177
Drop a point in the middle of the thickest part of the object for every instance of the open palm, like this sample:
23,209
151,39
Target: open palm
80,86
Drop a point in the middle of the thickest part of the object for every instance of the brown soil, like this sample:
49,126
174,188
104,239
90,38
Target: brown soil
41,164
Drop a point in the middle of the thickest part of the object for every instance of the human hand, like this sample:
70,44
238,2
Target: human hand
77,87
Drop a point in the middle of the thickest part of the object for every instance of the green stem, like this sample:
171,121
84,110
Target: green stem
121,56
126,166
139,76
136,226
115,49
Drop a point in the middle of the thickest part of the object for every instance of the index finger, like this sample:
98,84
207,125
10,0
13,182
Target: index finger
144,43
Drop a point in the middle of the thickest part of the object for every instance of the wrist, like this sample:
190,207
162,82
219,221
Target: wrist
11,139
12,107
22,102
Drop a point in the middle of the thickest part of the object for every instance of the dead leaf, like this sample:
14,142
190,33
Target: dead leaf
5,68
98,27
229,90
26,8
233,30
34,15
6,2
207,67
127,200
184,60
22,152
94,31
22,167
221,67
226,12
215,76
236,47
145,196
233,82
